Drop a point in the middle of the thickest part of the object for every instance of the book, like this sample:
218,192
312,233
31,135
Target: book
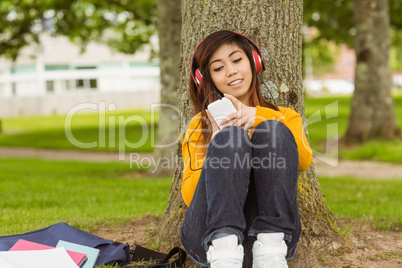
92,253
5,262
46,258
22,245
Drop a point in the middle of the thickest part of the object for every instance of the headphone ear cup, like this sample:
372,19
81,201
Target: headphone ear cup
257,61
198,78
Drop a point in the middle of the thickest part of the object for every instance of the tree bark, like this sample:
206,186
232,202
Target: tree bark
169,31
276,26
372,109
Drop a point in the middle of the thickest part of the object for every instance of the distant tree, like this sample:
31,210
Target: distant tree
121,24
169,32
372,111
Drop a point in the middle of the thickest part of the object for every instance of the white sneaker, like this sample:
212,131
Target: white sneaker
225,252
269,251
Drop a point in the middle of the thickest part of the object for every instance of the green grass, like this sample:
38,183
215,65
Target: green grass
378,150
328,116
36,193
377,201
79,120
133,130
323,111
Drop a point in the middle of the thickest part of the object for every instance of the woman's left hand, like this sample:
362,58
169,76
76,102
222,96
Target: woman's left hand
244,117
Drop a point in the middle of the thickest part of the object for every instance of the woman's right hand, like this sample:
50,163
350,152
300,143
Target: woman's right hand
215,128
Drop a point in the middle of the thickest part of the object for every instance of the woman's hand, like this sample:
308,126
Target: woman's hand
244,117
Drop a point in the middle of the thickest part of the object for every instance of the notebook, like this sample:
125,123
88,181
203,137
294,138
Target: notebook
21,245
92,253
47,258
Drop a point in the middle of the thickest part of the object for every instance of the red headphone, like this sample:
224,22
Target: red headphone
257,56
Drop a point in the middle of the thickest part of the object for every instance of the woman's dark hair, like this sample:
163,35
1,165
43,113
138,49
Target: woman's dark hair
201,58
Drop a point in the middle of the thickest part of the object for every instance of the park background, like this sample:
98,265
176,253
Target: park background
46,178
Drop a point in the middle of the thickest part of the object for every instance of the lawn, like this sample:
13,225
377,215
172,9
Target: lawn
133,130
36,193
375,201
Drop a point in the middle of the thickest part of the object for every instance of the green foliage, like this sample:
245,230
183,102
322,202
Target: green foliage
334,22
376,201
323,54
333,19
36,193
122,24
395,9
396,51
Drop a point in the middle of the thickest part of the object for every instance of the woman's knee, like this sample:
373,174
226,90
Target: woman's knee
273,133
231,139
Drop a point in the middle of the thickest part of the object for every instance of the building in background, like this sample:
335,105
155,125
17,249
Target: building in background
54,76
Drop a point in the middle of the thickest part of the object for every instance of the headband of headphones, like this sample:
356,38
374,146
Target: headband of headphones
257,56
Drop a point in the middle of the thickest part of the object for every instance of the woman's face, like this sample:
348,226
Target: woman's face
231,72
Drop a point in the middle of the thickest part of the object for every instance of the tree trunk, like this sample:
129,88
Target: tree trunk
276,26
372,109
169,28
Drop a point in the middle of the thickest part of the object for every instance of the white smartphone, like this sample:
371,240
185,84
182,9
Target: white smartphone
219,109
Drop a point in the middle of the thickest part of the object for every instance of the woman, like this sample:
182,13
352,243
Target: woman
240,178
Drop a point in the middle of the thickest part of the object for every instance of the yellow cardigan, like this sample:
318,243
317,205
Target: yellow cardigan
287,116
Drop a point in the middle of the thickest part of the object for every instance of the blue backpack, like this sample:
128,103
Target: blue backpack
111,252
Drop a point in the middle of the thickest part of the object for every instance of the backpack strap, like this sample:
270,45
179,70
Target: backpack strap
143,254
180,260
